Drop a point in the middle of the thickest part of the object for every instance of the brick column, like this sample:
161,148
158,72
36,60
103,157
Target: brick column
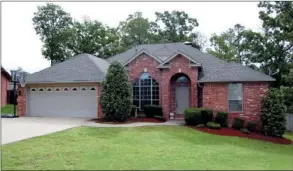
21,101
165,90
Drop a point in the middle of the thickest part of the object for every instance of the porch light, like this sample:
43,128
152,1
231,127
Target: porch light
171,116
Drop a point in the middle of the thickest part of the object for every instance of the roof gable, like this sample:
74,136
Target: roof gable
142,51
179,52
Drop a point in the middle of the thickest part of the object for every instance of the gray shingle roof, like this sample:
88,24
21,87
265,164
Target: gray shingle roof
235,72
81,68
209,63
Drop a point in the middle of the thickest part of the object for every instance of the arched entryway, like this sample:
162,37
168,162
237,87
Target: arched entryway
180,94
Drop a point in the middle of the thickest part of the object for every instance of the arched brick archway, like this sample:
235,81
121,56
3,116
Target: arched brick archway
180,97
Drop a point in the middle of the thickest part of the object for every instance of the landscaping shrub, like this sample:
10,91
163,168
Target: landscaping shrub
238,123
244,130
116,97
251,126
213,125
153,110
192,116
160,118
273,117
222,119
206,115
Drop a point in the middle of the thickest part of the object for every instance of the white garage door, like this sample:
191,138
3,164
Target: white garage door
62,102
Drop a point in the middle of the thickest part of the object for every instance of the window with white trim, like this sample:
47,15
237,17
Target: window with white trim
33,89
41,89
74,89
93,88
235,97
65,89
49,89
57,89
145,91
83,88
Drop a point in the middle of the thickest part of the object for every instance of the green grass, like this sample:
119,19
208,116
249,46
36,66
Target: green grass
157,147
8,109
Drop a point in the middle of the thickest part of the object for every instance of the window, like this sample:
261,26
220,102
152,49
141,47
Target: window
83,89
33,89
41,89
92,88
57,89
182,79
74,89
145,91
66,89
235,95
49,89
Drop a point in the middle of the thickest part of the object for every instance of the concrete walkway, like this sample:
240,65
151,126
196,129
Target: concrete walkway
16,129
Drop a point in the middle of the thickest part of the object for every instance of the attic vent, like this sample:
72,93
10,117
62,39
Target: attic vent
188,43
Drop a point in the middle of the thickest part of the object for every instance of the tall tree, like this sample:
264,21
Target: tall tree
49,22
273,48
92,37
231,45
178,26
135,30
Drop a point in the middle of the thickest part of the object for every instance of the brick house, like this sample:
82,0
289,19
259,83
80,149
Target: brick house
5,85
173,75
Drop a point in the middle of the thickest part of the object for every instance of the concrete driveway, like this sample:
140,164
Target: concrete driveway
16,129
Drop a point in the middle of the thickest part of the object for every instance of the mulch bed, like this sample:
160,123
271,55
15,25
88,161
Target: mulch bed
237,133
131,120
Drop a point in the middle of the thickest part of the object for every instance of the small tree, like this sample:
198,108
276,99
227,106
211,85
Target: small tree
273,113
116,97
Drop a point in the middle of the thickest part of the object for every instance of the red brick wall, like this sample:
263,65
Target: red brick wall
215,96
4,87
21,101
163,76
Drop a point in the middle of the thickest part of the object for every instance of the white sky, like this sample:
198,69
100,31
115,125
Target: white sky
21,46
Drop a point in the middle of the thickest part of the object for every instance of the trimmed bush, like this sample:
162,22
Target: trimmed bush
238,123
251,126
192,116
153,110
244,130
222,119
273,117
206,115
160,118
213,125
116,97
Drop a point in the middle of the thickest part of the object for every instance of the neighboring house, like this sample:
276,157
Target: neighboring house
5,83
173,75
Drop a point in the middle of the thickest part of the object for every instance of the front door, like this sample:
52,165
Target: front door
182,99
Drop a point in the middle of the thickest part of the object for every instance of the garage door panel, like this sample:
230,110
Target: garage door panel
63,103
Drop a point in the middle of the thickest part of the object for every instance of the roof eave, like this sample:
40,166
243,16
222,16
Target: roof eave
226,81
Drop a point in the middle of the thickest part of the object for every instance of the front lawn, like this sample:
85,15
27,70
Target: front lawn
140,148
8,109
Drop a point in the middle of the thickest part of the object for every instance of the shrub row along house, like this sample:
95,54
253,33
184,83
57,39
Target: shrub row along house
173,75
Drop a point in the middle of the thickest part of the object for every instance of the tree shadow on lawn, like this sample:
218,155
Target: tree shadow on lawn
205,139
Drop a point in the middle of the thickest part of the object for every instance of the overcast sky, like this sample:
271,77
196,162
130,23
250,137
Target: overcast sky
21,46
